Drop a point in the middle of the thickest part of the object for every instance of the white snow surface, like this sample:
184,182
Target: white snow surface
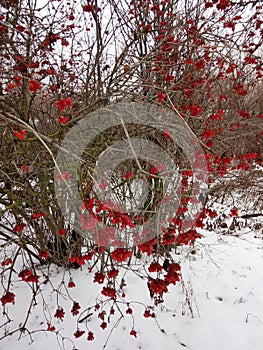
219,305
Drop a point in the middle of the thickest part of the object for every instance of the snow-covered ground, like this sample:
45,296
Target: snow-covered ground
218,306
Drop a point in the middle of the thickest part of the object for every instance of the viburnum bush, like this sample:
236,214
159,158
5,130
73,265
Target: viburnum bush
60,61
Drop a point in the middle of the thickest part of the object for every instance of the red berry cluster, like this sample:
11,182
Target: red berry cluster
75,308
27,276
109,292
60,313
8,298
121,254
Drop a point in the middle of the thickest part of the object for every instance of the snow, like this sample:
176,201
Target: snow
218,305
